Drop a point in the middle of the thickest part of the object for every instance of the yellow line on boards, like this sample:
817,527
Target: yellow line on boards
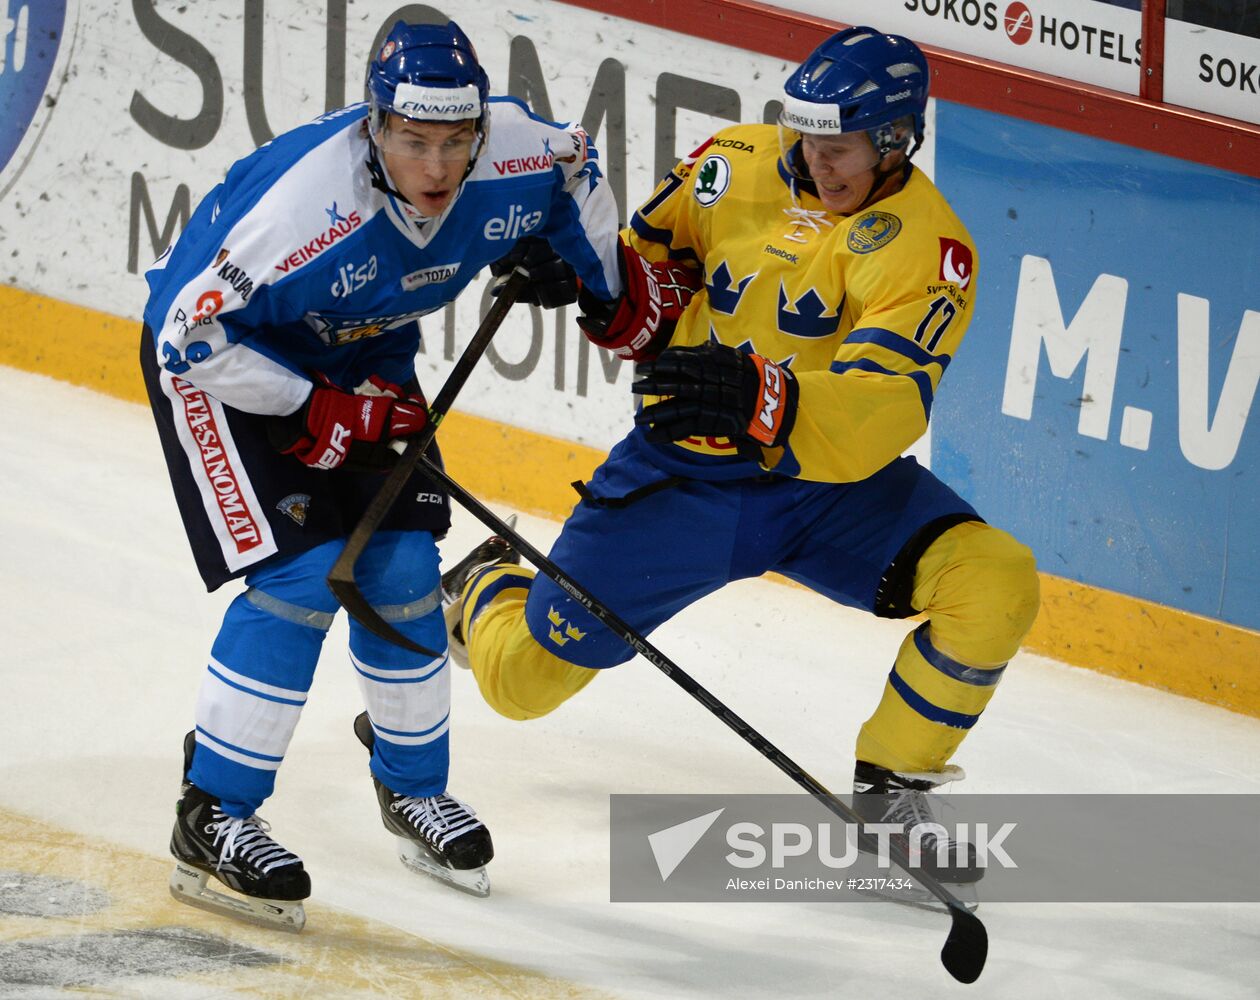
1085,626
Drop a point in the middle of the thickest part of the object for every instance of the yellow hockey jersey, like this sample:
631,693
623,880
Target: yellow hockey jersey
867,310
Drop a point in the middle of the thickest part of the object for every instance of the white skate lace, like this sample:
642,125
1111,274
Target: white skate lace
443,815
805,218
248,838
911,807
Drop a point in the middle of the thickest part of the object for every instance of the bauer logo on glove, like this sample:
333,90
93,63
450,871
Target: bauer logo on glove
638,325
335,426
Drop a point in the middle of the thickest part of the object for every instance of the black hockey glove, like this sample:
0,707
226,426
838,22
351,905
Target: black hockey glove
718,391
552,282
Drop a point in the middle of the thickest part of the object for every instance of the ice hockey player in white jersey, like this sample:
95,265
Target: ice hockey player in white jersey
278,352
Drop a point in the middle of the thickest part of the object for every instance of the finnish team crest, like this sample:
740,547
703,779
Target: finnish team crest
873,230
295,506
712,179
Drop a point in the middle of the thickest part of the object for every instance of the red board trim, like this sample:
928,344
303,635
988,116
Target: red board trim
979,83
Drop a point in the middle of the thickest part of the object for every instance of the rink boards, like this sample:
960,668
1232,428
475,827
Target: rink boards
1102,409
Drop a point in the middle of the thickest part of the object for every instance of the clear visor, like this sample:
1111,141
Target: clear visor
839,155
445,142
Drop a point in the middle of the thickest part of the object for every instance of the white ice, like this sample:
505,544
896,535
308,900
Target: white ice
105,630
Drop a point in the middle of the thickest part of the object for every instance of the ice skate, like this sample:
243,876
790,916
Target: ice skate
493,550
269,882
884,796
437,835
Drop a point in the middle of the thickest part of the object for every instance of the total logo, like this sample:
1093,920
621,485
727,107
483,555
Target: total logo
517,224
351,278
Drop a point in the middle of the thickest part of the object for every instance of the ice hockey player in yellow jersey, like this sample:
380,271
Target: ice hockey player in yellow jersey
833,285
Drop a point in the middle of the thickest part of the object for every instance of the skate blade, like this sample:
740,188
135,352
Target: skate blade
416,858
188,885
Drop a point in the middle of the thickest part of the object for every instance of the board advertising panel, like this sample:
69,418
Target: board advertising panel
1087,40
1212,70
1102,406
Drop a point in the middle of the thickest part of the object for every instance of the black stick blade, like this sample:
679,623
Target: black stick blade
341,580
967,946
347,592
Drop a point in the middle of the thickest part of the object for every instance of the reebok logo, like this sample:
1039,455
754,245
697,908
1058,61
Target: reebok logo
672,845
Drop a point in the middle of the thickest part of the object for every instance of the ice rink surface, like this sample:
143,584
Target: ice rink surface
106,627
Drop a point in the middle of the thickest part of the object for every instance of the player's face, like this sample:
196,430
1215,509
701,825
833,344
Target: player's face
427,160
843,168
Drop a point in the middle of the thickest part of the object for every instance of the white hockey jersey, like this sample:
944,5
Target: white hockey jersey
298,263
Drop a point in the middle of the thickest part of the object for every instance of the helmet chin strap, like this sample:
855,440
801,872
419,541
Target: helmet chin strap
882,175
380,179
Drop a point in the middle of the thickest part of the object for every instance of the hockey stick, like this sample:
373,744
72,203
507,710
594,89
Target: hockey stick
341,579
967,945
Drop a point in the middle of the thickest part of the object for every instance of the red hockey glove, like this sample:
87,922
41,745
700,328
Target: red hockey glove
334,421
639,324
718,391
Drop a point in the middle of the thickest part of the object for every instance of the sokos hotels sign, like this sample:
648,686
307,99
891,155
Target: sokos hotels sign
1084,40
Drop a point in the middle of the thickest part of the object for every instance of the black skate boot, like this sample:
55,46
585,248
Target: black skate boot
490,552
240,854
884,796
437,835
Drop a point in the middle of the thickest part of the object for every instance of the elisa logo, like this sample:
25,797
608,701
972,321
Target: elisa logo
30,37
1018,23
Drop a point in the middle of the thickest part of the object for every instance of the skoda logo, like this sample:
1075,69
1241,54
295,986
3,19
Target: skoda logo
31,33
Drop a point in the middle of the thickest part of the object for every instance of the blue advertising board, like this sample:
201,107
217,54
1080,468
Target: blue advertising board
1103,405
30,35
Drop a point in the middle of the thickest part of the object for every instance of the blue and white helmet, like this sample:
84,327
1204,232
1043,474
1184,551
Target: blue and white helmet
859,80
430,73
